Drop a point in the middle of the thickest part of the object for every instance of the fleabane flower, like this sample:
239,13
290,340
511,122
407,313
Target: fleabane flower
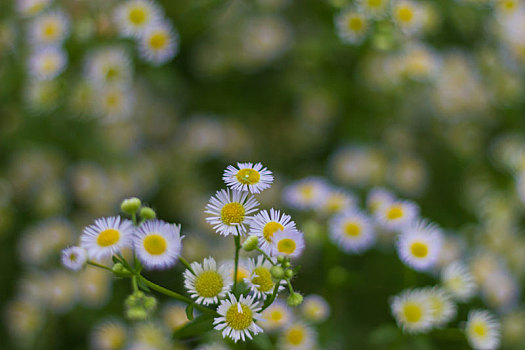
109,335
443,308
236,318
157,244
107,236
458,281
31,7
352,230
374,8
114,103
336,201
482,330
243,270
397,215
288,243
419,245
408,15
377,198
230,211
266,223
109,66
209,283
413,311
159,43
315,308
306,193
276,316
248,177
49,29
47,62
297,336
134,16
260,281
74,258
351,26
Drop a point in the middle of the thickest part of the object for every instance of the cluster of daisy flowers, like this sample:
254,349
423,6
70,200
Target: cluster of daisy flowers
421,245
234,293
355,22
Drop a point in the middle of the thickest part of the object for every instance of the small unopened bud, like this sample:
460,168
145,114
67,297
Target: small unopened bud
288,273
147,213
139,306
120,270
277,272
286,264
150,303
280,259
130,205
295,299
136,314
250,243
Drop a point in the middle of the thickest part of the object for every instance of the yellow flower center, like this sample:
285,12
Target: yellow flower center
374,3
356,24
49,65
50,30
155,244
263,279
242,273
276,315
158,40
295,335
108,237
248,176
113,100
419,249
286,246
412,312
239,320
209,284
335,203
232,213
479,329
394,212
112,73
137,16
270,228
437,306
352,229
307,191
113,337
405,14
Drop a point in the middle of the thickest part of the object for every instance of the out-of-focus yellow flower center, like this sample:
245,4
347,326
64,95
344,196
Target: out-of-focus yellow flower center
239,320
112,73
263,279
335,203
276,315
137,15
307,191
242,273
158,40
419,249
248,176
108,237
295,335
352,229
232,213
375,3
270,228
405,14
209,284
49,65
50,30
112,337
286,246
412,312
479,329
437,306
356,24
155,244
113,100
394,212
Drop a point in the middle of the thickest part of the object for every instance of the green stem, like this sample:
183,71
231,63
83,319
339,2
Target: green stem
237,248
123,261
92,263
134,219
134,283
185,263
290,288
272,298
175,295
265,255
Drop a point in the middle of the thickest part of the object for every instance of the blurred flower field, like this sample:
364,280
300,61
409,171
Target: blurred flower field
262,174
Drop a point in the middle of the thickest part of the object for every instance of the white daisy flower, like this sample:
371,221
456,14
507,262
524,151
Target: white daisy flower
315,308
412,311
109,335
266,223
230,211
458,281
158,244
50,28
408,15
260,280
276,316
396,215
377,198
114,103
306,193
443,308
336,201
48,62
236,320
243,269
248,177
159,43
351,26
287,242
134,16
107,236
353,231
419,245
483,330
31,7
297,336
374,8
109,66
209,283
74,258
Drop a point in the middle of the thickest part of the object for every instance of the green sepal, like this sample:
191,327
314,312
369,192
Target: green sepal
189,312
142,285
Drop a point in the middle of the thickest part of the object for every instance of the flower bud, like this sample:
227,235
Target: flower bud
286,264
130,205
147,213
277,272
295,299
288,273
136,314
280,259
150,303
250,243
119,270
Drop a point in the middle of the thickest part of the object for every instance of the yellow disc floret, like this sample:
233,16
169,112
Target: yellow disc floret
137,15
108,237
405,14
209,284
248,176
232,213
239,319
286,246
419,249
158,40
270,228
263,279
394,212
412,312
295,335
356,24
352,229
155,244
